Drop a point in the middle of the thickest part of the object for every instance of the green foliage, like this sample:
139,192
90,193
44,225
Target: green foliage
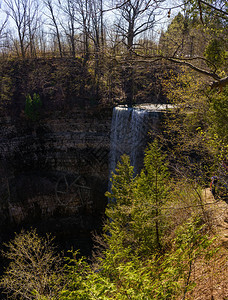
156,276
131,264
212,14
192,155
33,106
184,38
219,115
152,192
134,261
77,271
197,134
190,243
136,217
215,52
122,183
6,88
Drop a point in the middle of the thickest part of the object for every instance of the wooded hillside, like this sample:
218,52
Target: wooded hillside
165,230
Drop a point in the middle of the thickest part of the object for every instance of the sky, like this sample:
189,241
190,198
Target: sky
162,19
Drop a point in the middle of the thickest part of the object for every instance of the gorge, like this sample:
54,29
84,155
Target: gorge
54,173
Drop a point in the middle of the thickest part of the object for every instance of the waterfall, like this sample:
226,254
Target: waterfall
128,136
129,132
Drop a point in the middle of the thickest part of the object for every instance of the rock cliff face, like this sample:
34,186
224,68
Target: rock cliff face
54,173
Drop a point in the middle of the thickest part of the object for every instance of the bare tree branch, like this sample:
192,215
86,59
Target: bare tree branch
220,83
214,7
193,67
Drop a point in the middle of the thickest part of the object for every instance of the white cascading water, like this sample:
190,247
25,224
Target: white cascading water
128,135
129,132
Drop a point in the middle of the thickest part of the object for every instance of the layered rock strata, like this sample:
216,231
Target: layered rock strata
54,172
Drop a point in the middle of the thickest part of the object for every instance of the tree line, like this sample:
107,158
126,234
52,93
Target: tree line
73,27
117,41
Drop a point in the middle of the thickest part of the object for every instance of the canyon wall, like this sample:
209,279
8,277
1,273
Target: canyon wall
54,172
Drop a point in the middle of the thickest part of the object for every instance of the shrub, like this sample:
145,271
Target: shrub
33,106
33,267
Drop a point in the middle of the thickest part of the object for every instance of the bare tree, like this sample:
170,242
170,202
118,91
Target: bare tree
33,267
68,23
135,17
24,13
97,22
97,34
33,23
3,26
17,10
54,23
83,19
42,40
3,32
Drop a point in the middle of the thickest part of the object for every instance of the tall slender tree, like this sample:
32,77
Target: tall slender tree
54,23
68,23
135,17
24,14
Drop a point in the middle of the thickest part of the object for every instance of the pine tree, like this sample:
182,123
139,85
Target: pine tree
135,217
152,192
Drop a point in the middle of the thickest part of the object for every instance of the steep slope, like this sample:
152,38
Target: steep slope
211,277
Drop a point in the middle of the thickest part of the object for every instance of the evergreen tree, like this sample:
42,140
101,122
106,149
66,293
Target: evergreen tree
152,192
136,217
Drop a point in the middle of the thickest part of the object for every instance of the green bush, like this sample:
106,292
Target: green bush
33,106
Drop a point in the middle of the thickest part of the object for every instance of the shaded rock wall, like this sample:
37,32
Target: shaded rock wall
54,173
